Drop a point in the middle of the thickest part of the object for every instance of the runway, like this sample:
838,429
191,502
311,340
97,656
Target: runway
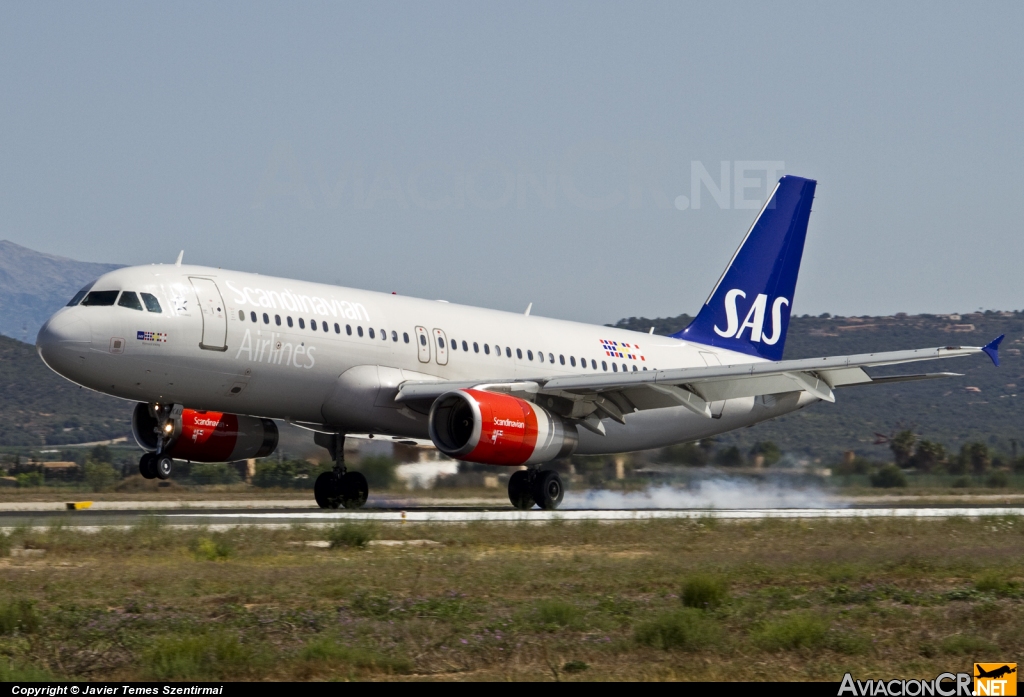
227,517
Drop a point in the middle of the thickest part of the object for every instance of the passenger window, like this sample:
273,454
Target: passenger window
348,329
519,354
266,318
152,304
634,369
359,331
323,325
540,356
130,300
79,295
572,361
100,298
302,323
337,328
241,316
252,316
561,359
508,352
476,347
277,320
529,354
593,364
604,365
405,336
312,324
440,342
289,321
615,367
383,335
394,337
423,340
455,345
487,350
551,358
624,368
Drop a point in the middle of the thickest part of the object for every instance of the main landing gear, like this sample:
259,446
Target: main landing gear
529,487
339,487
155,466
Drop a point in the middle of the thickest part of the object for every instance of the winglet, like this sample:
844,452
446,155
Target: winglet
992,348
177,262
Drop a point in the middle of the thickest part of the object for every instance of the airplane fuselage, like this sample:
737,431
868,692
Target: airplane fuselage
331,356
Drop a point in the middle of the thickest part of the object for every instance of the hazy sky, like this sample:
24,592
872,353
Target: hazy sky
506,153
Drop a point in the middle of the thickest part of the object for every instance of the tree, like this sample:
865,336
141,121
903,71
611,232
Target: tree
685,454
767,449
100,476
928,456
730,457
902,446
889,477
100,453
976,456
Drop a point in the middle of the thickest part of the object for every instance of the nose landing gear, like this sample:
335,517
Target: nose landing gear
155,466
543,488
339,487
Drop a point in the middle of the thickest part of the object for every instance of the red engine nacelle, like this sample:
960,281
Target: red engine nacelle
207,436
497,429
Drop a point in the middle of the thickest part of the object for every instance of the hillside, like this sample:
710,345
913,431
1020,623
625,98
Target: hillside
38,407
33,286
982,405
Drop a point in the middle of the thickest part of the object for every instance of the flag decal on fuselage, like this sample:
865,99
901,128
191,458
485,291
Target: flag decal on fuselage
619,349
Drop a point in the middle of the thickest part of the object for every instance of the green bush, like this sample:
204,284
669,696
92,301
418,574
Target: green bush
350,535
378,470
998,480
100,476
196,657
18,617
767,449
704,592
335,653
206,549
685,454
961,483
687,629
17,672
993,582
889,477
287,474
575,666
730,457
966,645
796,631
554,612
29,479
213,473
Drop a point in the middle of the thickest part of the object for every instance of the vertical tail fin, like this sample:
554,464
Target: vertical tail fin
748,310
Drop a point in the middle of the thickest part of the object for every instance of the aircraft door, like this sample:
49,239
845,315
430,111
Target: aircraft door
441,350
215,317
423,344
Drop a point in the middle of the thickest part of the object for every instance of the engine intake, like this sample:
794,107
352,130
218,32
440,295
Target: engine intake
207,436
498,429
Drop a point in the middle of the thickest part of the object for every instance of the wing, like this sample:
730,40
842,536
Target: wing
616,394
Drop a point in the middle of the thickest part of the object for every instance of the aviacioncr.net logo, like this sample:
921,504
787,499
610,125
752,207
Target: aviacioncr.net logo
754,319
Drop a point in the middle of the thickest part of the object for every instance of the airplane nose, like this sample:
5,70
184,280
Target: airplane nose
63,341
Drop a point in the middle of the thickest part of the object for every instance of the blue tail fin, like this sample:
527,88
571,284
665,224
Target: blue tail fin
748,310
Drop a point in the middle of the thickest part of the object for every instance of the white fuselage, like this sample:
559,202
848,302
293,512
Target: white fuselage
205,350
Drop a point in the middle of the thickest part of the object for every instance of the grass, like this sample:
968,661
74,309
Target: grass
350,535
791,600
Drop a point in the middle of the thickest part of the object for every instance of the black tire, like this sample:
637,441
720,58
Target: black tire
146,466
326,490
354,490
519,490
162,466
548,490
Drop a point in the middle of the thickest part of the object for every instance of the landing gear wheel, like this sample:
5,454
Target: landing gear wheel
327,490
548,490
147,466
519,491
354,490
162,466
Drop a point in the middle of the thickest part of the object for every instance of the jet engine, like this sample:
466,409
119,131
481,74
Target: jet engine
204,436
497,429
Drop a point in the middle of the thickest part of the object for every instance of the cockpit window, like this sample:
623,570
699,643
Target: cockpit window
80,294
152,304
130,300
100,298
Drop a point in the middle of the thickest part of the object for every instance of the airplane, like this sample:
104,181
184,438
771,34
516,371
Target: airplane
212,357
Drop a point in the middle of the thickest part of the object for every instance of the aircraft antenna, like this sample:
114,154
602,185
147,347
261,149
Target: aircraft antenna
178,260
528,308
